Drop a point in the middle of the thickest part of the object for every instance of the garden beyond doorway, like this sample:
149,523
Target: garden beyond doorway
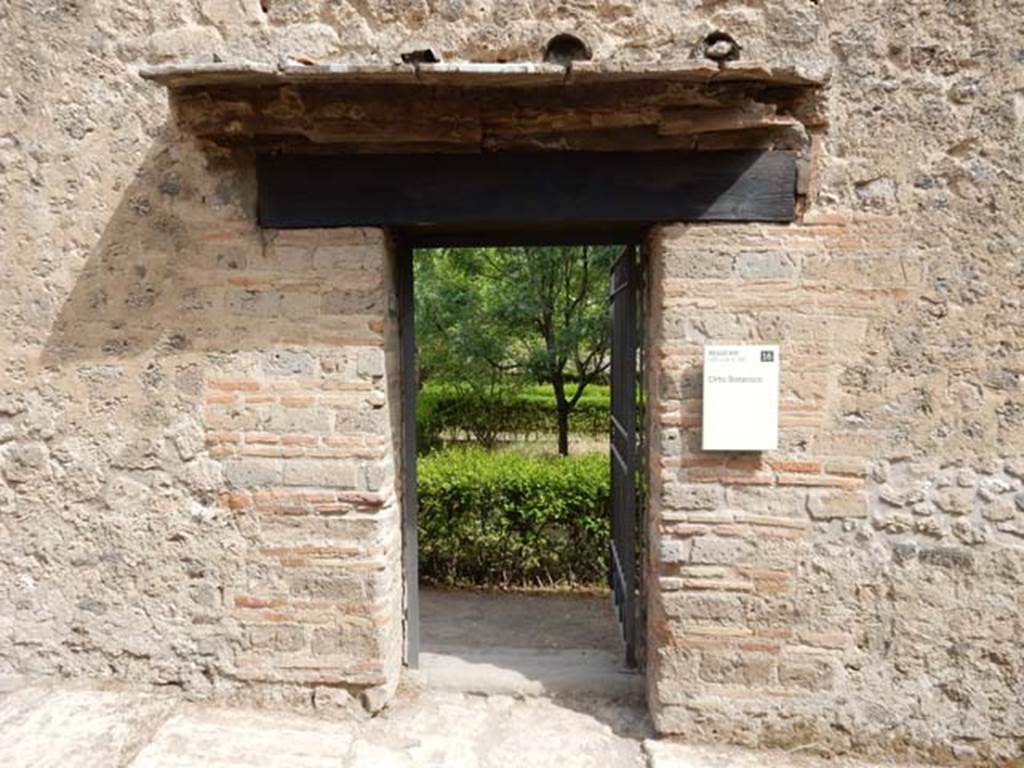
515,484
513,353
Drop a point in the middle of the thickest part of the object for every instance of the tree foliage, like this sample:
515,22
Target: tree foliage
492,320
445,414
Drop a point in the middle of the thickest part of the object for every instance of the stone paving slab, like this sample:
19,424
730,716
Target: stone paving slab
588,673
671,754
51,727
219,738
453,731
42,727
502,731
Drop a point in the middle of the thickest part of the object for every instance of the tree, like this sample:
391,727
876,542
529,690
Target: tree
460,341
562,294
495,316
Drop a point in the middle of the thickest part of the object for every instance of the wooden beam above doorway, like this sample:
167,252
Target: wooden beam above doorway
468,108
443,196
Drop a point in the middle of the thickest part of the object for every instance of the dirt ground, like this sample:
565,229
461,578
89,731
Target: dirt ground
485,619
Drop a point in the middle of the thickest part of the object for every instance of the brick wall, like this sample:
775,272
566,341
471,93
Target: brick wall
198,458
306,434
128,251
841,592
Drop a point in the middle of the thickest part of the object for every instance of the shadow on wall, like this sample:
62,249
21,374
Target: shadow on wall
113,531
164,560
153,284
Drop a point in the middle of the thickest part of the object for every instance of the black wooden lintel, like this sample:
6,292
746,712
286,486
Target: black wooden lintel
544,196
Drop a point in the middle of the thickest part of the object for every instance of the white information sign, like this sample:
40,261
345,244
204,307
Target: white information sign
741,398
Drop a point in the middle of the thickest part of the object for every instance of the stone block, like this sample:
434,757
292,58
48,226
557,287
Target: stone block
188,439
746,669
952,558
673,550
670,442
353,301
714,550
300,305
25,462
361,422
700,608
306,41
308,421
767,265
692,497
877,194
293,259
329,585
1002,508
375,474
768,500
676,674
323,473
956,501
370,363
290,362
231,12
357,640
203,475
254,303
183,43
376,698
235,417
253,473
278,637
810,674
837,505
336,258
333,699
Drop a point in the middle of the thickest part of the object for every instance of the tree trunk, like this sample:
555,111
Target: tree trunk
563,431
562,407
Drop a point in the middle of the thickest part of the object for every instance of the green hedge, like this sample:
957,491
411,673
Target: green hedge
444,412
505,519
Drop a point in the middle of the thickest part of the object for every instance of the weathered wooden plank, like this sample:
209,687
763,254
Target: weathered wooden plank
697,120
509,191
361,118
640,138
190,74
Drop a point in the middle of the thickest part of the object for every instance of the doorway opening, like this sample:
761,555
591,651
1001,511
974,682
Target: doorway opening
524,466
436,199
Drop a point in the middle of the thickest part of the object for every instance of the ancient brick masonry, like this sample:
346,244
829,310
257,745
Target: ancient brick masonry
242,533
789,588
304,434
172,379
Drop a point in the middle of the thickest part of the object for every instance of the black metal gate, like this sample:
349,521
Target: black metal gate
624,299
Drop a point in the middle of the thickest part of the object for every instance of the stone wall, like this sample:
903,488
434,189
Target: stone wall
860,588
306,434
855,589
480,31
873,567
199,456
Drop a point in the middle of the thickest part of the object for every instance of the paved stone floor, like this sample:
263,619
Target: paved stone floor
524,645
507,681
66,726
